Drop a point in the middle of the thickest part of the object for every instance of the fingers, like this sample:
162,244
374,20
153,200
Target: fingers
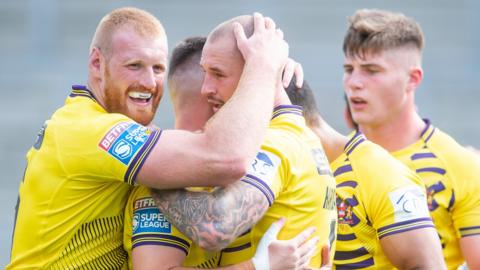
269,23
306,252
303,236
258,22
325,255
298,75
288,72
239,33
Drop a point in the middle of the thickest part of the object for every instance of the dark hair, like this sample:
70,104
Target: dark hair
303,97
184,51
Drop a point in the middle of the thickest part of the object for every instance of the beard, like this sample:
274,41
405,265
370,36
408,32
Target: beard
116,101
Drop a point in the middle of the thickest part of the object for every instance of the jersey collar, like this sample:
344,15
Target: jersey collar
287,109
82,91
356,140
427,131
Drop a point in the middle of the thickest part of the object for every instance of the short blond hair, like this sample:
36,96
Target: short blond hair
373,31
141,21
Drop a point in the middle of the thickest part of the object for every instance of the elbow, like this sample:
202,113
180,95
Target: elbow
216,240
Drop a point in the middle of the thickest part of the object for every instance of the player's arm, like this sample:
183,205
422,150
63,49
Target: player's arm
470,246
213,219
426,254
222,153
271,253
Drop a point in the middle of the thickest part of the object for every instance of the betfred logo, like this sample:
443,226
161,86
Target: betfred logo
112,135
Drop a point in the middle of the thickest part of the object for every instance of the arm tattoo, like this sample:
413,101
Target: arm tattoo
213,219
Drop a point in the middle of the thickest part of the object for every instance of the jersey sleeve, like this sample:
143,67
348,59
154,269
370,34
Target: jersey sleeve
145,224
397,208
265,174
466,209
114,148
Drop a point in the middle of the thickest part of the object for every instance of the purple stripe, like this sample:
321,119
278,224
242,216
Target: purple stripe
238,248
79,87
352,139
160,236
343,169
355,145
258,184
152,140
293,109
153,243
452,200
408,229
403,223
429,136
469,228
427,125
422,155
279,107
352,184
346,237
362,264
351,254
432,169
467,235
352,201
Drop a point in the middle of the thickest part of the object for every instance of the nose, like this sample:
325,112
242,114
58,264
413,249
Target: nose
353,80
148,79
208,88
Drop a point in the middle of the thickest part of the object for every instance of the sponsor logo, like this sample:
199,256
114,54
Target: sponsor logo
150,220
124,140
409,203
265,166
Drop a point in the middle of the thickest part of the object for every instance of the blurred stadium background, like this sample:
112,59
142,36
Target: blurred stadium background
44,49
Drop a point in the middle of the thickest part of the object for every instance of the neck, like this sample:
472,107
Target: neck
397,133
94,87
332,141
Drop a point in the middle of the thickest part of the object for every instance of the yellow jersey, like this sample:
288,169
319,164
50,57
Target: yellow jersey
76,184
292,171
452,176
145,224
377,196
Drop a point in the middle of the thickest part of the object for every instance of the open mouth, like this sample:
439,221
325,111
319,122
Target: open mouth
140,97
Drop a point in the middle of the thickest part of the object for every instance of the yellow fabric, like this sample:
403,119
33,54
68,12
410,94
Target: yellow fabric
376,197
292,171
452,176
72,198
145,224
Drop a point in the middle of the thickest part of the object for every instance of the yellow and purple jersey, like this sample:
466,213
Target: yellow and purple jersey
377,196
78,177
451,174
292,171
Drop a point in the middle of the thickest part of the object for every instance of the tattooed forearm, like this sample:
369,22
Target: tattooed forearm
213,219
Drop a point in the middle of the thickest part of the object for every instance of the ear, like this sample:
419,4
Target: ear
95,62
415,78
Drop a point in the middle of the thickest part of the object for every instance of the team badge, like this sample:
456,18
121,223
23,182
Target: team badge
345,212
409,203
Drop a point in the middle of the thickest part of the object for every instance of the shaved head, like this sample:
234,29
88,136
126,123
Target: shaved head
224,31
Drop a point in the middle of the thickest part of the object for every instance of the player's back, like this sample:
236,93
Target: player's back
372,188
451,174
73,194
301,189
